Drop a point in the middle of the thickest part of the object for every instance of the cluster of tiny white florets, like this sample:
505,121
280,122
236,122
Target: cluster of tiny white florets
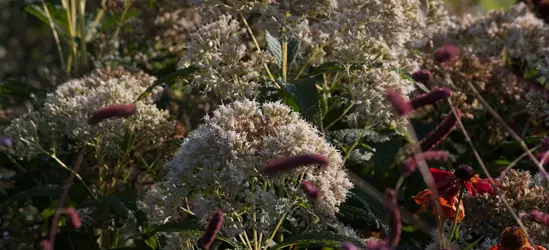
217,167
516,31
368,88
66,111
229,69
537,104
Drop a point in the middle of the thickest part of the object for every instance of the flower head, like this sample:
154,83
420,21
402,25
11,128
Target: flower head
227,153
447,54
422,76
449,205
212,229
513,238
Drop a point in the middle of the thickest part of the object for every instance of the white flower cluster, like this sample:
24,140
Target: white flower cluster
66,111
230,68
368,89
217,167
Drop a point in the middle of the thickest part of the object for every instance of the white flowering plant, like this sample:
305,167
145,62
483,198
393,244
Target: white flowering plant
282,124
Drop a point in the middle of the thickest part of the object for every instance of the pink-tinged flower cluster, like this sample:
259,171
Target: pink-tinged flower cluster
112,111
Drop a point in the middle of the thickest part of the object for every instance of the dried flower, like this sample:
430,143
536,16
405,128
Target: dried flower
422,76
514,238
212,229
430,98
112,111
538,217
284,164
393,211
311,190
440,133
447,54
73,216
399,103
411,163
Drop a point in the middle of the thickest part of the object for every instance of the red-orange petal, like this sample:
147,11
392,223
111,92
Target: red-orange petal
482,186
423,199
442,178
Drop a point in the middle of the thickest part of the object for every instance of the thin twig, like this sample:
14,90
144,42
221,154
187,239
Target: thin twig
494,185
510,130
63,197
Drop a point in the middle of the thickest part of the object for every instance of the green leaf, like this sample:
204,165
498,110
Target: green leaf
39,191
180,226
18,89
274,47
293,49
58,16
470,246
331,67
169,79
323,238
385,154
305,95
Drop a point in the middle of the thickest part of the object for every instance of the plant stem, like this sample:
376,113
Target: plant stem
454,223
273,234
63,197
55,36
251,33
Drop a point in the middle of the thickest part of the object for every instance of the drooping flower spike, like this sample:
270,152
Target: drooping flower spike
73,216
404,107
283,164
440,133
447,54
212,229
310,189
112,111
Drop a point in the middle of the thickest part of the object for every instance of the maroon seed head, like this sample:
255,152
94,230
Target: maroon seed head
399,103
73,216
440,133
422,76
283,164
464,172
430,98
112,111
447,54
311,191
212,229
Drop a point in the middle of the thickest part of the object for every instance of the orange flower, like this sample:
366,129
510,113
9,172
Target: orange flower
513,238
449,206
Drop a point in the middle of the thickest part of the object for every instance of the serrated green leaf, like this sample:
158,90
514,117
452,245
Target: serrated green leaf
274,47
39,191
305,95
293,49
385,155
324,238
169,79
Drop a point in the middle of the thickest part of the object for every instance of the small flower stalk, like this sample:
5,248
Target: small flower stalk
395,223
411,163
284,164
311,191
212,229
112,111
440,133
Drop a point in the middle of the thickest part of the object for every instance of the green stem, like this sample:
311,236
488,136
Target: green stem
454,223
